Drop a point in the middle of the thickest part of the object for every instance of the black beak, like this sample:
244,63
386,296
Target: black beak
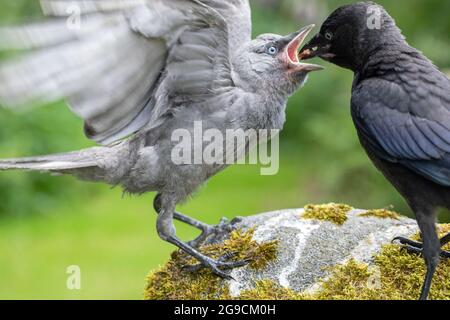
318,46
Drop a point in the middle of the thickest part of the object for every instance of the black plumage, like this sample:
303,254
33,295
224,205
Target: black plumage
401,109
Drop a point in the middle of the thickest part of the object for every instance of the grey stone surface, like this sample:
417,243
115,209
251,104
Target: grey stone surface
307,247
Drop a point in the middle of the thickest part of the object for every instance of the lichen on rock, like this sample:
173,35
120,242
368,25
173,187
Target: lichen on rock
308,258
333,212
395,275
269,290
381,213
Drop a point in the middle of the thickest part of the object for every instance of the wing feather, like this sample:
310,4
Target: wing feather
66,8
127,64
402,129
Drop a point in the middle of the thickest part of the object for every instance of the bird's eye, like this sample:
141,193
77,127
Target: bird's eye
329,36
272,50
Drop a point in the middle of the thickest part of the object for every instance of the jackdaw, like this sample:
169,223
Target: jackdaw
401,109
136,71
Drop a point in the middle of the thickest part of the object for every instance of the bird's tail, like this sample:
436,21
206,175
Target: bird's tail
105,164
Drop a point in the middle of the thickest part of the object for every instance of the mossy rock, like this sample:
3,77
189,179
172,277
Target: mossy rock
321,252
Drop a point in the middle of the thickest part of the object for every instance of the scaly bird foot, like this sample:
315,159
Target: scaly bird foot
416,247
215,234
216,265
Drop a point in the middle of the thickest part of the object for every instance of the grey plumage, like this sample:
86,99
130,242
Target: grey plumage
140,70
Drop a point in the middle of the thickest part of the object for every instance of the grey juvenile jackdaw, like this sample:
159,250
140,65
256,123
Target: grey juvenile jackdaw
401,109
140,70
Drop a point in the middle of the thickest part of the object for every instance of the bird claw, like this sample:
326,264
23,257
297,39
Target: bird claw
228,256
415,247
411,249
406,241
232,264
228,226
216,265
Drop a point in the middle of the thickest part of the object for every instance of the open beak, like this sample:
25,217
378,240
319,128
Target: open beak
291,51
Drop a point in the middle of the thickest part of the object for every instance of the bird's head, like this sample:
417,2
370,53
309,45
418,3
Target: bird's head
351,33
271,61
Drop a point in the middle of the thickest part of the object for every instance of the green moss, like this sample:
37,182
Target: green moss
336,213
346,283
381,213
394,275
400,276
171,282
269,290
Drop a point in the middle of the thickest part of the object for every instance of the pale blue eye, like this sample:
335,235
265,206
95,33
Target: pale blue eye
272,50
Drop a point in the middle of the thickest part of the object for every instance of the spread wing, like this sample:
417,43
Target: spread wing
237,15
410,127
114,60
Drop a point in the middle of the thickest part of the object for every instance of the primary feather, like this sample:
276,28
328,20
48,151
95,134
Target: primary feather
109,67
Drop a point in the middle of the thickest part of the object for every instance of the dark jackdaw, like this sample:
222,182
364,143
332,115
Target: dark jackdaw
401,109
136,71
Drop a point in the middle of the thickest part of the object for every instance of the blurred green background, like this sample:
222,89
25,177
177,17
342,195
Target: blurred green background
49,223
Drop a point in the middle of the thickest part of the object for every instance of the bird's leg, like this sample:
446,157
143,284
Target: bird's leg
430,249
205,228
166,231
219,231
210,234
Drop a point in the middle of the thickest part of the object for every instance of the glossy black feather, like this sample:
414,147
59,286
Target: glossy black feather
403,109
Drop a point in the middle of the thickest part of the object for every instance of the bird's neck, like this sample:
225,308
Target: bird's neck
390,53
386,61
268,90
375,44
